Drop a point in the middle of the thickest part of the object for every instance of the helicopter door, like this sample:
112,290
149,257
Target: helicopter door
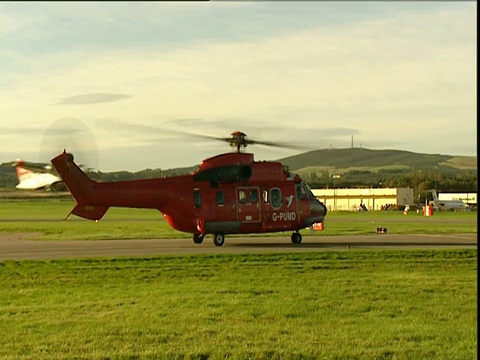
248,204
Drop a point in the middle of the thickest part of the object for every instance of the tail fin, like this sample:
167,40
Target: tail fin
89,211
22,173
32,180
80,186
434,194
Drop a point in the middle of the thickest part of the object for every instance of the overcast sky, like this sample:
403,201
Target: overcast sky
123,78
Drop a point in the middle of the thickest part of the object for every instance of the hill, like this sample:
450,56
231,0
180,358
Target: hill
344,160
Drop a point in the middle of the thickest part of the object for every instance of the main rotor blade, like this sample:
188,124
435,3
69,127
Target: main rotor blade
148,129
278,144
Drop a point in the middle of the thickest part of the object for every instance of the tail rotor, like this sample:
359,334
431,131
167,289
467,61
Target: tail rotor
74,136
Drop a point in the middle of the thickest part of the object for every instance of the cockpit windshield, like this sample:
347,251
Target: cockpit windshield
310,192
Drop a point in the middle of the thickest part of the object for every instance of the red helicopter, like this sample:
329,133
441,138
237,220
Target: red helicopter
229,194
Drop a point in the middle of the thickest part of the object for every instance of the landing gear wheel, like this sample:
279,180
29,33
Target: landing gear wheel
218,239
296,238
197,238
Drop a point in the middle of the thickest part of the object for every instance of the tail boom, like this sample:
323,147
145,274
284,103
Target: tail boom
94,198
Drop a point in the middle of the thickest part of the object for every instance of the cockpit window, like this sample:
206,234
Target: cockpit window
309,191
302,193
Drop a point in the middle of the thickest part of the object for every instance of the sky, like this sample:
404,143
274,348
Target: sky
127,85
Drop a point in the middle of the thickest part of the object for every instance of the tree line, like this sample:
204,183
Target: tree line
419,179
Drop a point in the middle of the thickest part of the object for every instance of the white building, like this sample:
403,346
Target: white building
372,199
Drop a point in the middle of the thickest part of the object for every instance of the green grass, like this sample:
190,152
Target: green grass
326,305
335,305
360,223
58,209
43,219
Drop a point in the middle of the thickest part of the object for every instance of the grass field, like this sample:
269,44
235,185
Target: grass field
348,305
44,220
378,304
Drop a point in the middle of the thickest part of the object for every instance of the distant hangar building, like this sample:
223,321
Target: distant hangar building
361,199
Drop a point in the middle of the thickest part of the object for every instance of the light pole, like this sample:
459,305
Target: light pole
335,192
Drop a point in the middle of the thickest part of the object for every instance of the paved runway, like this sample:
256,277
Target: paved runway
18,247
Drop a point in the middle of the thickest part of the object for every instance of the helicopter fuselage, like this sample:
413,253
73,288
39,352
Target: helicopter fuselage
229,194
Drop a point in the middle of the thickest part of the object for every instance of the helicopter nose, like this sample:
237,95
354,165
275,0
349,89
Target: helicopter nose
318,208
317,212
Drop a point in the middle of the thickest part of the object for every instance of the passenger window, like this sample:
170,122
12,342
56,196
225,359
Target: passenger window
265,196
220,197
242,196
197,198
253,196
276,196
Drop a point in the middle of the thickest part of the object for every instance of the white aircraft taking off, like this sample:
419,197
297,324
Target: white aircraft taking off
447,205
32,180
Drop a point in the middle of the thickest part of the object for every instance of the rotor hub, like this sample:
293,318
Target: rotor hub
238,140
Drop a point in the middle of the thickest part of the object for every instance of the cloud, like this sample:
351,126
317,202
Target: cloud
94,98
9,131
399,73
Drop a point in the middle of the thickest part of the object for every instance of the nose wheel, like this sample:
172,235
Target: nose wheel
219,239
296,238
197,238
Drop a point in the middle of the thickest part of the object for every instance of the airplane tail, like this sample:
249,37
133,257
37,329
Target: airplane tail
434,195
22,173
32,180
80,186
436,201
